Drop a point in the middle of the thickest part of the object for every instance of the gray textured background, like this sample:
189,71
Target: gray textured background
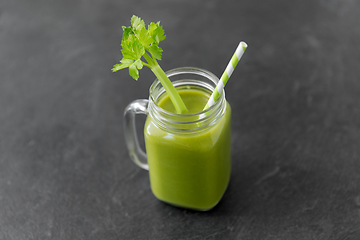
64,169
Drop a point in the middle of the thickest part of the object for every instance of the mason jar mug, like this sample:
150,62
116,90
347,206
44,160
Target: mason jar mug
188,155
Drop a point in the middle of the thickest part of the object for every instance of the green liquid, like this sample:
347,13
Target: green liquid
190,170
195,99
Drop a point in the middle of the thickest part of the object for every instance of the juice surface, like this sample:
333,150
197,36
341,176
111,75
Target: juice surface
190,170
194,99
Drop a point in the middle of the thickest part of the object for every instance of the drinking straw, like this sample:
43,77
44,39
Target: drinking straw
227,73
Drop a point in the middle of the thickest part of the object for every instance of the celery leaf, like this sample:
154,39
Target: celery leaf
140,47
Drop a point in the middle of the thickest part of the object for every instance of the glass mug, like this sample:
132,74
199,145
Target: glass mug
188,155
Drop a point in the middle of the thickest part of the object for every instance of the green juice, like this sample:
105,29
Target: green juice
189,169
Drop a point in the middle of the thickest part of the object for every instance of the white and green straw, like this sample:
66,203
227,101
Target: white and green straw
227,73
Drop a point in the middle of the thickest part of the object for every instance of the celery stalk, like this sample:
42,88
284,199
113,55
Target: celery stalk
170,89
138,42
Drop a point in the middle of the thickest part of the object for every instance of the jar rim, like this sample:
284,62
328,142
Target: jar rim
189,70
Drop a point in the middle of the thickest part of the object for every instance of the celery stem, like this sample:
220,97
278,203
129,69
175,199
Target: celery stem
166,83
170,89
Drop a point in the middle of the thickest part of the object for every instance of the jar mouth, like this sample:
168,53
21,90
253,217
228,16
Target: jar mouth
210,86
186,77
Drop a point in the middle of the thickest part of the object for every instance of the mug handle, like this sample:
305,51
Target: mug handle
136,153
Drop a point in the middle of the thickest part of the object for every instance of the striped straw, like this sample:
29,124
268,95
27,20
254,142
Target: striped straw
227,73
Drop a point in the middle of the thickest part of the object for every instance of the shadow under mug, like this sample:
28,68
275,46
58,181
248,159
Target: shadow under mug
188,155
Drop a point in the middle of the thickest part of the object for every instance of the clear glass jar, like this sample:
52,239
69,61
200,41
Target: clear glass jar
188,155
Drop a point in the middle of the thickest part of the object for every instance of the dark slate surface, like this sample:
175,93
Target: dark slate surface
64,169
